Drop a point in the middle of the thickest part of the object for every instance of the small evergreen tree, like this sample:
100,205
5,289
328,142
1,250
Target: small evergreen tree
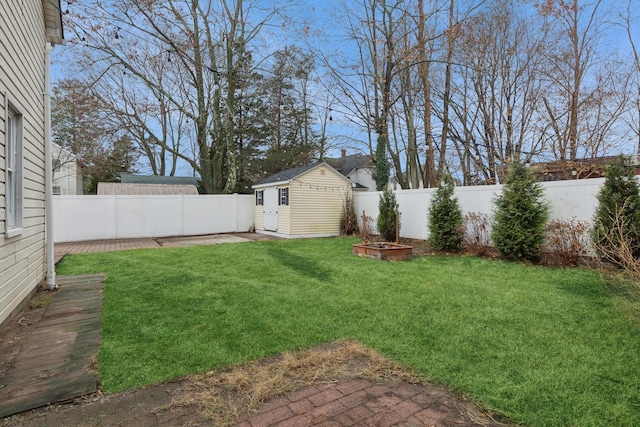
520,215
445,218
387,215
618,213
382,167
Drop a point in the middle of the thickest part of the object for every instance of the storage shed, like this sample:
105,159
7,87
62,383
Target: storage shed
301,202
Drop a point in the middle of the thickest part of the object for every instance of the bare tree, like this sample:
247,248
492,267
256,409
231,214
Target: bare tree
586,93
497,90
632,118
208,47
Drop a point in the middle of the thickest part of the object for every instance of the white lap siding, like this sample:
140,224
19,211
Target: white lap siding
22,68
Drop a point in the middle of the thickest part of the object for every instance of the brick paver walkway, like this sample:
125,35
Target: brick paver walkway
61,249
362,403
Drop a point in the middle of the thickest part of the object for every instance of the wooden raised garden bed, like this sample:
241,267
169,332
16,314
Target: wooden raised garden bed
383,250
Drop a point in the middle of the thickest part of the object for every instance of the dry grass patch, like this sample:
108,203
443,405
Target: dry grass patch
223,395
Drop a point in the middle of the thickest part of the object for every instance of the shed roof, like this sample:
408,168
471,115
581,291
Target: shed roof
157,179
116,188
289,174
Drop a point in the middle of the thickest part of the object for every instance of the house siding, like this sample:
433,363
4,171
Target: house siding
68,178
22,68
364,177
315,203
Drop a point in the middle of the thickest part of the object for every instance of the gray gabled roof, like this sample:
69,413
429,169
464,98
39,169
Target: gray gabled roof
289,174
286,175
347,164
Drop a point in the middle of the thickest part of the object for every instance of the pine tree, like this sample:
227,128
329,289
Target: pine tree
445,218
388,207
618,212
520,216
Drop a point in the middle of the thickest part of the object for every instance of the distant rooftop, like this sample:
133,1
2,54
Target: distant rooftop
120,189
157,179
346,164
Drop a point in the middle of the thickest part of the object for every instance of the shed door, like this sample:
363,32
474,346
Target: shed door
271,209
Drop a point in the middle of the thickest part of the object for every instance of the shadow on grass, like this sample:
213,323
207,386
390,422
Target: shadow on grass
625,292
304,265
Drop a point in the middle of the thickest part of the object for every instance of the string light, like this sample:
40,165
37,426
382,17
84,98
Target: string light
321,187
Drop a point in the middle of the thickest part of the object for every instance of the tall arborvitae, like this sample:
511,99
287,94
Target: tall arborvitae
445,218
618,214
520,216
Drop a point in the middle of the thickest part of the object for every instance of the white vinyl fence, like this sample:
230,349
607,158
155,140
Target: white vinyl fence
568,199
77,218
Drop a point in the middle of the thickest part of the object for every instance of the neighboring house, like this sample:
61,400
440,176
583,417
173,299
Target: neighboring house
120,189
301,202
67,178
28,26
358,168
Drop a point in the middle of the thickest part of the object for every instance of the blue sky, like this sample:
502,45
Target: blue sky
323,17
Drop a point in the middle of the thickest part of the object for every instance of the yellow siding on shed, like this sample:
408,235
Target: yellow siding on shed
284,216
315,202
259,217
22,69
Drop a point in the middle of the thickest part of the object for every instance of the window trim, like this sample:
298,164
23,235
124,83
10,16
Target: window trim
14,169
283,196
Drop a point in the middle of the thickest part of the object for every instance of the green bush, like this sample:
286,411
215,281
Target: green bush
445,218
519,216
618,211
387,208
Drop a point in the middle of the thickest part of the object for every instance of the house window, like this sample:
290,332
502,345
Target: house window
260,198
13,153
57,190
283,196
56,165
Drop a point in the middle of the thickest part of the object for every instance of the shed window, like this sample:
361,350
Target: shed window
260,198
283,196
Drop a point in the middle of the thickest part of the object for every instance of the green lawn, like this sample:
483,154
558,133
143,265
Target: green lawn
542,346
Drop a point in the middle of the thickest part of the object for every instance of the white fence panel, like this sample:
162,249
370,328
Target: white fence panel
78,218
217,213
575,198
569,199
151,216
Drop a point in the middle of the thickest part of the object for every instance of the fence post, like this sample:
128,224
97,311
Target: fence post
236,212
